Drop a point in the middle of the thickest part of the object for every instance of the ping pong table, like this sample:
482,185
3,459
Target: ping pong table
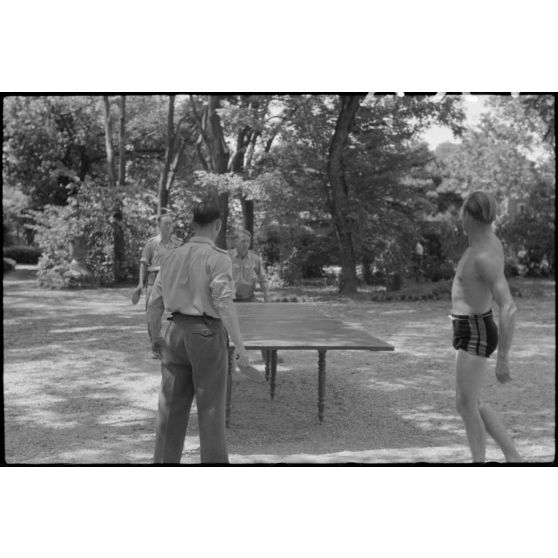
273,326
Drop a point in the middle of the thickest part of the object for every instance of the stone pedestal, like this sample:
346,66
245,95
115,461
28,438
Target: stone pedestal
78,268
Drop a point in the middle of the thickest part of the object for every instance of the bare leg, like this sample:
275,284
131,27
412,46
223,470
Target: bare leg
470,374
497,430
470,371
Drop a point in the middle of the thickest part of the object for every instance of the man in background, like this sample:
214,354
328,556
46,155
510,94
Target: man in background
247,270
152,255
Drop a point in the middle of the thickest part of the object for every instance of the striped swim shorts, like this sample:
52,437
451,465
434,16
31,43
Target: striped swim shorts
476,334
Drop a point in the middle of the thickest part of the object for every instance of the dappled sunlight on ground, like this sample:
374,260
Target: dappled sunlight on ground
80,386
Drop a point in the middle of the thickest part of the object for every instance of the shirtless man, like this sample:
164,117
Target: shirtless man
479,279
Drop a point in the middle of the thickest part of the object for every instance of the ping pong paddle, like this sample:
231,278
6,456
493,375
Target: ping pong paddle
136,296
251,373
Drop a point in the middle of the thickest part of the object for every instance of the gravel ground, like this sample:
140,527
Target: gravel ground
80,386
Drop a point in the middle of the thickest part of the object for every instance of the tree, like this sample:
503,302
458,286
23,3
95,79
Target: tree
117,216
529,115
50,145
492,158
250,124
174,150
339,203
217,154
386,182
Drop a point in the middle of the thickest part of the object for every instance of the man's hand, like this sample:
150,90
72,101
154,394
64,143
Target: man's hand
157,347
503,369
242,359
136,294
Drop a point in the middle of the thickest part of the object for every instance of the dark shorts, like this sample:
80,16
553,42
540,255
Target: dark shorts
476,334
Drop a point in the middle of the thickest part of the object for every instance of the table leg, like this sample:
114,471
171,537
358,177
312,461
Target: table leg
273,367
267,353
321,383
230,368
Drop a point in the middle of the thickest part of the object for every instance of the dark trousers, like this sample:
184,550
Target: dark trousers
193,364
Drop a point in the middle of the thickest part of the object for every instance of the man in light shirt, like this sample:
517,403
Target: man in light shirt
195,285
247,270
152,255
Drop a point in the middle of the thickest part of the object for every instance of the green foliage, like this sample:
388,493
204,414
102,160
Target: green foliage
89,214
296,252
490,159
532,116
444,243
15,217
386,172
49,144
530,237
506,156
230,182
23,254
54,228
278,147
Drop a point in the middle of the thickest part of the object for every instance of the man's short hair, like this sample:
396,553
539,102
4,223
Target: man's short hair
481,206
244,232
206,213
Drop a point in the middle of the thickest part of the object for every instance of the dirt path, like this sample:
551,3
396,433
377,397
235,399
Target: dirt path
80,387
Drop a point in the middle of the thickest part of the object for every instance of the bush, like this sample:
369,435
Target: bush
23,254
296,252
90,214
529,237
443,246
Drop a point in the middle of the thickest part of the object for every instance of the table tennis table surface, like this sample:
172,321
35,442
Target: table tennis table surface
293,326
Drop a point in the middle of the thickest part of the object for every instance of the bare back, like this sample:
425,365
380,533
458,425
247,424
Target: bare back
469,293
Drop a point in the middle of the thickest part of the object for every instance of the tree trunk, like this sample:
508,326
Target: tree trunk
248,217
219,155
118,233
163,181
243,141
108,143
122,145
339,199
118,215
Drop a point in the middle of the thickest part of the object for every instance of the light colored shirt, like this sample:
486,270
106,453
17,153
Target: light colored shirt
155,250
246,271
194,279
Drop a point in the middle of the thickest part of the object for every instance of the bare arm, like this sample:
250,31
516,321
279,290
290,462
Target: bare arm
155,310
222,292
228,314
493,274
144,262
142,275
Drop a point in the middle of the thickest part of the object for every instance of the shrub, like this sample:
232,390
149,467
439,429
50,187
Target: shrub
295,252
90,214
23,254
273,277
529,237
